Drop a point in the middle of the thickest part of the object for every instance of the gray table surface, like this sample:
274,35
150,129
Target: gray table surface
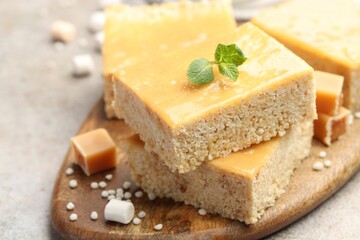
42,106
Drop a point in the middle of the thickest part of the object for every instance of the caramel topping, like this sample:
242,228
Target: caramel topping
328,28
247,162
134,33
163,86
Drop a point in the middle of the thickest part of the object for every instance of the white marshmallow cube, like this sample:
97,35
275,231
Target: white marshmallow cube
119,211
97,21
83,65
63,31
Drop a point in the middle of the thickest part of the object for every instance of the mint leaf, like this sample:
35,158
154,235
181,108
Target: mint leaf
229,54
229,70
234,55
220,53
200,71
227,57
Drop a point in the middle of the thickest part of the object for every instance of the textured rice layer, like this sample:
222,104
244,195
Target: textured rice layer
230,194
259,118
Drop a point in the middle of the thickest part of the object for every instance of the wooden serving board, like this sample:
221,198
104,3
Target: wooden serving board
306,191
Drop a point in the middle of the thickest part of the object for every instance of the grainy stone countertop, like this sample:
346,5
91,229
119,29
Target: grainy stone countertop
42,106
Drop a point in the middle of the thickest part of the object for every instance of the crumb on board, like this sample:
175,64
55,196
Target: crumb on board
151,196
104,194
69,171
158,227
108,177
94,215
327,163
141,214
202,212
318,166
73,183
73,217
126,185
102,184
70,206
127,195
322,154
139,194
94,185
136,221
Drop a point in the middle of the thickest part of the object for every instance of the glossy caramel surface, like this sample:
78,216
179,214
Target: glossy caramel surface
247,162
327,28
133,33
163,86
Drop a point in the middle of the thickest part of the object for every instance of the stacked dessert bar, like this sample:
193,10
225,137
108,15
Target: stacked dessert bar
146,32
229,147
327,39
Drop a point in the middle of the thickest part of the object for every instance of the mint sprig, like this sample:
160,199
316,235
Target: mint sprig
227,58
229,70
200,71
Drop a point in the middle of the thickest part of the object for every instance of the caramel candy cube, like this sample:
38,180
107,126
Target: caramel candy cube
94,151
329,128
328,92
